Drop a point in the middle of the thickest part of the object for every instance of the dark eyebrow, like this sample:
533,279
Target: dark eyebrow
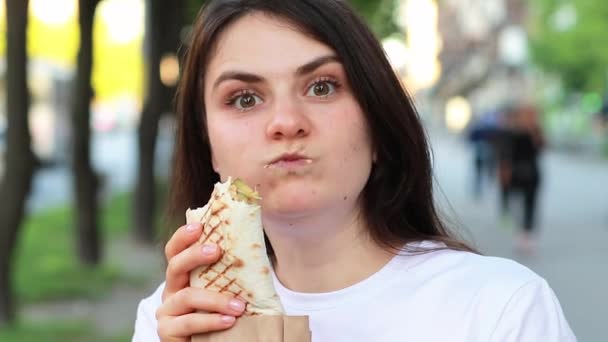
239,76
315,64
253,78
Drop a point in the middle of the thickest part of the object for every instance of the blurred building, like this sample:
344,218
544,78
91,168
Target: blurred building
484,53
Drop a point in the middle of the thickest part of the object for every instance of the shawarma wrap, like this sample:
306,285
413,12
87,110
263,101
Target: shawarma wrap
232,219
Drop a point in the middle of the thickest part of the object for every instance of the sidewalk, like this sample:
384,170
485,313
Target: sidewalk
115,313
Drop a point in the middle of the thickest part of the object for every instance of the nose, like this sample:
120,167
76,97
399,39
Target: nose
288,121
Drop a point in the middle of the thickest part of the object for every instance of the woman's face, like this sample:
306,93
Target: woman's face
281,115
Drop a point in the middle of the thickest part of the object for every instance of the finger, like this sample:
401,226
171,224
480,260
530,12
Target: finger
192,324
182,238
193,299
179,267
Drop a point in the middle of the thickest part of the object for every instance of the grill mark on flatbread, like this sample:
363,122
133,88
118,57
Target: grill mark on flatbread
208,236
218,276
217,206
210,233
227,285
210,207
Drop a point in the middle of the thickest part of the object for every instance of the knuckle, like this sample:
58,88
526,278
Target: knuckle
172,268
191,325
194,250
165,295
159,314
185,297
168,250
181,297
187,292
161,329
205,300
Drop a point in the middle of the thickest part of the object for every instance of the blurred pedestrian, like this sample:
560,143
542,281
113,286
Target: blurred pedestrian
521,174
503,145
481,136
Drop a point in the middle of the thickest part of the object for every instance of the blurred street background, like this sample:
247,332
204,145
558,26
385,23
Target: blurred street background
513,93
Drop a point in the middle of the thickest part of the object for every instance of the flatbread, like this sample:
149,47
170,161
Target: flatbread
234,222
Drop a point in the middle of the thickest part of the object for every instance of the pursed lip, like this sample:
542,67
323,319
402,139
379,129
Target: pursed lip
289,158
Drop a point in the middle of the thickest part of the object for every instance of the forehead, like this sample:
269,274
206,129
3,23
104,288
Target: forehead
258,42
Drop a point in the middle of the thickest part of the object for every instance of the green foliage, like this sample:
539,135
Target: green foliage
580,53
192,9
46,265
48,332
366,8
377,13
75,331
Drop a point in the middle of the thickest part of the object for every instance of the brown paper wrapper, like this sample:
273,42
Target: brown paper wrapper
263,328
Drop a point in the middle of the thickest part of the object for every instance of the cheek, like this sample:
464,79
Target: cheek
232,146
224,139
351,145
354,140
357,151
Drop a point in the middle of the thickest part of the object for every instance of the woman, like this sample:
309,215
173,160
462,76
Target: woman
298,98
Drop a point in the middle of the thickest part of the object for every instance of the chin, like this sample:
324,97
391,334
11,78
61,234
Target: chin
291,203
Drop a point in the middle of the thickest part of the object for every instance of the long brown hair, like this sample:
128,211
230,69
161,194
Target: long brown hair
397,201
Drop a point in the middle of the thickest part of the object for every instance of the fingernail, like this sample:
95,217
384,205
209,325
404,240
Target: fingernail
228,319
236,305
209,249
192,227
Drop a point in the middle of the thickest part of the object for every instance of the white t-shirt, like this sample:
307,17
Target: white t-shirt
439,296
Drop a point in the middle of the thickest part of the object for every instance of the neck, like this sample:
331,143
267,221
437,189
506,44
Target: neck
324,252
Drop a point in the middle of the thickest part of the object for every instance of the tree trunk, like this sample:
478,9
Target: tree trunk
86,181
19,159
161,35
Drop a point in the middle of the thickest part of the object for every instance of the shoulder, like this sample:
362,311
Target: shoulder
491,279
533,311
506,294
471,268
145,322
496,271
494,278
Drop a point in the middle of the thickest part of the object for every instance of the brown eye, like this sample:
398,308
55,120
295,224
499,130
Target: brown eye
321,89
246,101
